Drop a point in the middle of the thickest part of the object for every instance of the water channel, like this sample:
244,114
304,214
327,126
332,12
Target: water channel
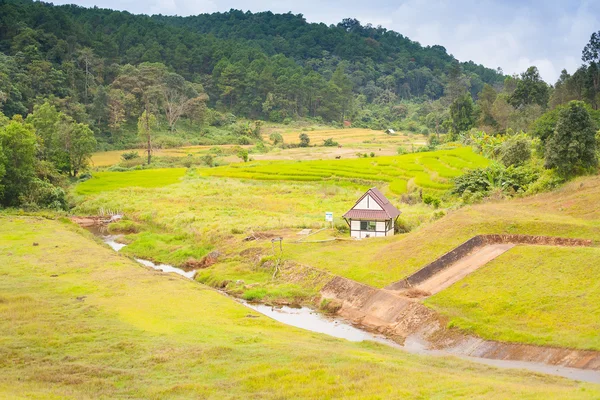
306,318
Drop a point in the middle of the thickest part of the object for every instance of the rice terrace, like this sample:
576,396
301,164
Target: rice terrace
250,205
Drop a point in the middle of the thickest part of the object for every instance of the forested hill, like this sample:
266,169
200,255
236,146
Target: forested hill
264,65
291,35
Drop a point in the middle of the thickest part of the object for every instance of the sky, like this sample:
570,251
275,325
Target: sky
510,34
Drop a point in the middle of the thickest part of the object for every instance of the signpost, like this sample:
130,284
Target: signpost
329,217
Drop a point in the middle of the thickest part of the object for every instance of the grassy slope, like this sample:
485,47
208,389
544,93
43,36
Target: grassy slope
570,212
534,294
80,321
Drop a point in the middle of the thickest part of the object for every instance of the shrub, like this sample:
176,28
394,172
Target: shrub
243,154
401,150
168,142
304,140
208,160
117,168
510,180
276,138
130,155
330,143
43,194
548,180
515,151
431,200
244,140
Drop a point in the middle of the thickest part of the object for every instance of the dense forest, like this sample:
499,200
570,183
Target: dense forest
259,66
74,80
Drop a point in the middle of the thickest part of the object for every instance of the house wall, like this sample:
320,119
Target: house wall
367,204
380,231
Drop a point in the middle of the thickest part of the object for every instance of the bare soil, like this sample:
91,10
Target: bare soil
412,324
462,268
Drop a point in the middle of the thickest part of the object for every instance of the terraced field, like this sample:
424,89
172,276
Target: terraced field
432,171
353,136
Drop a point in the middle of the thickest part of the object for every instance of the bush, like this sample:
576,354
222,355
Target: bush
330,143
43,194
244,140
401,150
549,180
304,140
372,154
168,142
510,180
515,151
208,160
132,162
431,200
243,154
130,155
276,138
216,151
342,227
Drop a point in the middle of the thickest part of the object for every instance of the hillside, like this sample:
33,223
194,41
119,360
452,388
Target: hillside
274,67
102,326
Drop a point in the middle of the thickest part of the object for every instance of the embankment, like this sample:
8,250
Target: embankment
411,323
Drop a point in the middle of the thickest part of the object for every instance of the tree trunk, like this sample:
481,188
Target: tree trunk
148,134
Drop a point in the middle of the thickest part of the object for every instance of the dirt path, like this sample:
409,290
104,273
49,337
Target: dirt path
463,267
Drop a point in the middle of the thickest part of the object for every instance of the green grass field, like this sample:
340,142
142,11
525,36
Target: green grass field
149,178
184,221
80,321
534,294
430,171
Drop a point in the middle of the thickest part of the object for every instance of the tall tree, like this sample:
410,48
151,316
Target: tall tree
530,89
146,125
572,146
180,97
486,99
462,115
77,143
591,56
18,142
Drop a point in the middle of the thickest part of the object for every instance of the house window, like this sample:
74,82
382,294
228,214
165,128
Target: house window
368,225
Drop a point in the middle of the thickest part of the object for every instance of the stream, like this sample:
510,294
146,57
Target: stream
308,319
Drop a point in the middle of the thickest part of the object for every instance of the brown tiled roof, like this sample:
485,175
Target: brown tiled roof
373,215
388,212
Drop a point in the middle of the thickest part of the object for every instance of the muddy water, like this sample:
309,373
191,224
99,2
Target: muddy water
306,318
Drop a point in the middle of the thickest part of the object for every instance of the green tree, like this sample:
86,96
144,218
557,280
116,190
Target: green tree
243,154
304,140
530,89
146,125
180,98
515,151
46,119
573,144
485,101
591,56
462,115
78,142
18,142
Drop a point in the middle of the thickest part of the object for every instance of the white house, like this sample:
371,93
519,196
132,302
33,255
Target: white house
372,216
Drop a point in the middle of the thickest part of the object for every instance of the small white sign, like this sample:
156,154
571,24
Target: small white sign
329,216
